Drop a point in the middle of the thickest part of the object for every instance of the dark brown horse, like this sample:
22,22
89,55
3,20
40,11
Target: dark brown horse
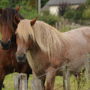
8,63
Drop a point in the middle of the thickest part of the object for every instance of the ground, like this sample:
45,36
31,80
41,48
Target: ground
9,83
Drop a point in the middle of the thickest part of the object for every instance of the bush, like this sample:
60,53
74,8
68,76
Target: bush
86,14
4,3
28,13
32,13
69,14
75,14
48,18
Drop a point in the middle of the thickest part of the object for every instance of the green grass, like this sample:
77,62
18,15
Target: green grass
9,83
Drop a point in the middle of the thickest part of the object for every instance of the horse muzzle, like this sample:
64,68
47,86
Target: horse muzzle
5,46
21,58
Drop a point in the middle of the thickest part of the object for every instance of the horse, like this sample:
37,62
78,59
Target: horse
8,63
48,50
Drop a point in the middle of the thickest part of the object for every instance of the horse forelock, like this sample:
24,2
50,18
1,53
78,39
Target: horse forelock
47,37
24,30
7,18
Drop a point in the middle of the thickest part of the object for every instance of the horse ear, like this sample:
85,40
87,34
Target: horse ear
32,22
17,19
17,8
1,10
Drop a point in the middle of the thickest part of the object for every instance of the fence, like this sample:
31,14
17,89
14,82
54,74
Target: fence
21,83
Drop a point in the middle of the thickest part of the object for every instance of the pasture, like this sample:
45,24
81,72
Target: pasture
9,83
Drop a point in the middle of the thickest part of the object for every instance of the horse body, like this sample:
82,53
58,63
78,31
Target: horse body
74,61
78,42
50,49
78,47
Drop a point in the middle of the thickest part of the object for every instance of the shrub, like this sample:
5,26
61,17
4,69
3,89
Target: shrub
48,18
69,14
86,14
28,13
45,16
4,3
75,14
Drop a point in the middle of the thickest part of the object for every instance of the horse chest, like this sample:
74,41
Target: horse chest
40,61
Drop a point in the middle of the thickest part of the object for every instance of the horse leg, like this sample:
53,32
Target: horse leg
43,82
50,79
1,84
78,79
38,83
27,79
2,76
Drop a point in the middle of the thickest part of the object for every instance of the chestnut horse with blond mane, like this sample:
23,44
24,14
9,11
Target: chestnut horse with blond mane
8,63
47,49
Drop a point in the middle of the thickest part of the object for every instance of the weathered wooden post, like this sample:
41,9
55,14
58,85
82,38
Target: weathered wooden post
20,82
39,6
87,71
37,84
66,78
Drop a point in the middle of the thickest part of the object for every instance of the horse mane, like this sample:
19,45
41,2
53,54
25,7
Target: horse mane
7,18
47,37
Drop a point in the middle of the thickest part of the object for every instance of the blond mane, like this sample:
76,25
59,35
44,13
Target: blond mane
47,37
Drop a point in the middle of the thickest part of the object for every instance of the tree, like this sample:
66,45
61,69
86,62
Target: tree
88,2
4,3
32,3
43,2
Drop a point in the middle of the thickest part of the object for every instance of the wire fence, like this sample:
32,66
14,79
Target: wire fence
9,83
83,84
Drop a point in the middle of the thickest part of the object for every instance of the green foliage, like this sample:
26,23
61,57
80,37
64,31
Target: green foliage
86,13
69,14
32,13
32,3
75,14
14,3
65,28
48,18
4,3
43,2
88,2
28,12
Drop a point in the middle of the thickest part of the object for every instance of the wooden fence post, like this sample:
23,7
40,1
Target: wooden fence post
37,84
66,78
87,71
20,82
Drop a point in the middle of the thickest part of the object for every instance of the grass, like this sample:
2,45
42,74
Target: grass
9,83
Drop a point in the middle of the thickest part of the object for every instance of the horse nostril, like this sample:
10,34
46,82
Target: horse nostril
5,46
21,58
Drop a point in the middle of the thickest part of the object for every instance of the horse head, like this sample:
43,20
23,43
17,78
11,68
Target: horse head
8,25
23,45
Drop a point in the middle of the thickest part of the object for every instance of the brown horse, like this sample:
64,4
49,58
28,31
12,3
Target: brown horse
8,63
47,50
